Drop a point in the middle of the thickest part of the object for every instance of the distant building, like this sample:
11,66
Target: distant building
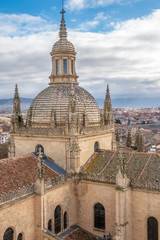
4,137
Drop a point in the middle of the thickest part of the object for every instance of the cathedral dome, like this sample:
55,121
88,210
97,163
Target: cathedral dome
63,45
52,104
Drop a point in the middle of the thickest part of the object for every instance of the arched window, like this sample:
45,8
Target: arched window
72,66
64,66
9,234
57,67
96,147
65,220
152,228
20,237
99,216
50,225
57,219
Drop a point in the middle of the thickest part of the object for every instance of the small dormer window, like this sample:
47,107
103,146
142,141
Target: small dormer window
72,66
64,66
57,67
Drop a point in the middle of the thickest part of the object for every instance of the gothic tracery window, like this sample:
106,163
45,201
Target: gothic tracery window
9,234
57,219
152,228
99,216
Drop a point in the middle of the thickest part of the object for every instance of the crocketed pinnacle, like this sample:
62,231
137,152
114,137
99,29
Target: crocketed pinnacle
62,30
107,104
108,116
16,102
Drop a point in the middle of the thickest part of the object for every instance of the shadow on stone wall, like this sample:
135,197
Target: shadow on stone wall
4,150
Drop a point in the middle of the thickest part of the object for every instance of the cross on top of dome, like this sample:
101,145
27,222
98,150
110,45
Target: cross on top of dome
63,31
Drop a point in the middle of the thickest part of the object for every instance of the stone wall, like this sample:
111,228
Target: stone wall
86,144
3,150
145,204
19,215
64,195
91,193
56,147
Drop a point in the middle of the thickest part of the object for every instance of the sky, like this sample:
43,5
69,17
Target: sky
117,42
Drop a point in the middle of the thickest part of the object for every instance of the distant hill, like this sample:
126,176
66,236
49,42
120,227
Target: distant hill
132,102
8,103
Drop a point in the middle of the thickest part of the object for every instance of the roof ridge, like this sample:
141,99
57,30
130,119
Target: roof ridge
145,166
108,163
91,158
130,157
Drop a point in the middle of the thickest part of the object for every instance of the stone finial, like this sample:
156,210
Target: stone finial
16,102
17,120
40,168
108,116
63,31
73,156
121,178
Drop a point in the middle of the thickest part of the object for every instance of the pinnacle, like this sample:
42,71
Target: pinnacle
63,31
108,104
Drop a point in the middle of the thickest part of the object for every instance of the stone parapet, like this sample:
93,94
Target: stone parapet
16,194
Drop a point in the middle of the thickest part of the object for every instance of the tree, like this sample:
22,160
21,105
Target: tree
139,143
117,136
129,139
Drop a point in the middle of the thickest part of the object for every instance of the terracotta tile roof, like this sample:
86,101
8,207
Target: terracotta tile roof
80,234
16,172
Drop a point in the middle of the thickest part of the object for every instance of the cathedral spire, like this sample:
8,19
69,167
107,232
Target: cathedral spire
108,116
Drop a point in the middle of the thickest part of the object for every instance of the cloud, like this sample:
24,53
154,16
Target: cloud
81,4
23,24
97,20
128,58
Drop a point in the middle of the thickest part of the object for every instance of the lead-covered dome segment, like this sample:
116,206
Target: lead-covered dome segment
55,99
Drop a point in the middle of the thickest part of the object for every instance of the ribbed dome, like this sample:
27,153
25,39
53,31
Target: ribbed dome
55,99
63,45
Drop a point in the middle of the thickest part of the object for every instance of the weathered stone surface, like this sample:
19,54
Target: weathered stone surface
3,150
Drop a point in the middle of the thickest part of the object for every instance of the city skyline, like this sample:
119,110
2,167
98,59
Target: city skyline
117,42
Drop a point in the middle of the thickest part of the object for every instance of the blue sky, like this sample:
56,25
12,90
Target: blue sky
76,10
117,42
